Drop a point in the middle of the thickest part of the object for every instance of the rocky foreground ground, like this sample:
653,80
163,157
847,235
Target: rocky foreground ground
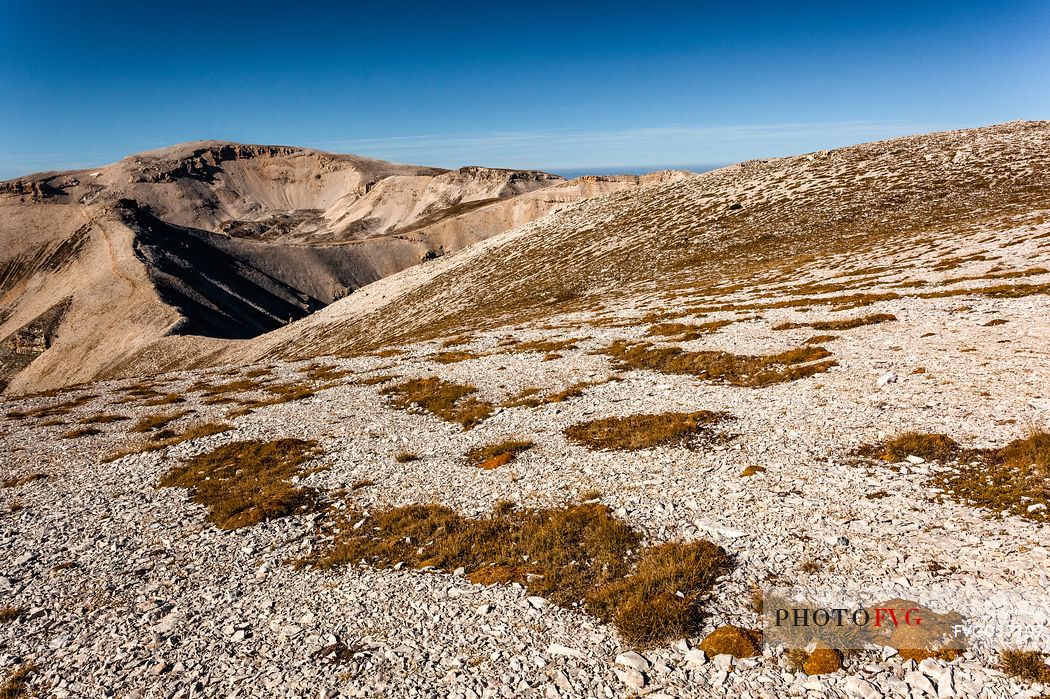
123,588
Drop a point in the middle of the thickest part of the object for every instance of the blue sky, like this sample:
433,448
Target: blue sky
523,84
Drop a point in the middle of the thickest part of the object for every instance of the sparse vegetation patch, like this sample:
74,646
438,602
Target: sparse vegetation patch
645,431
843,324
244,483
495,455
573,555
444,399
18,481
17,682
9,614
684,332
1028,665
169,438
733,369
1014,479
155,422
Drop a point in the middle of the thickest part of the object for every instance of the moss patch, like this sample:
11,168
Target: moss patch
732,640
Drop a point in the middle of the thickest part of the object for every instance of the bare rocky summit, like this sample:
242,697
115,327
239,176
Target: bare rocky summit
822,372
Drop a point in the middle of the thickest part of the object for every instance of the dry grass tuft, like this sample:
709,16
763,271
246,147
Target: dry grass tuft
531,398
820,339
542,346
932,447
645,431
81,432
733,369
164,399
454,356
155,422
17,682
324,372
444,399
496,455
18,481
103,419
9,614
1028,665
244,483
684,332
279,393
56,410
579,554
168,438
376,380
1014,479
843,324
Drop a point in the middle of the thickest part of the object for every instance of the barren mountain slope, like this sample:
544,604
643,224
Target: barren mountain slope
883,214
225,240
576,459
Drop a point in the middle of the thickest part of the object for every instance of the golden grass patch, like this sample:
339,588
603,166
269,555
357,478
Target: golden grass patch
376,380
57,410
1014,479
324,372
169,438
645,431
81,432
449,401
684,332
18,481
493,456
532,397
104,418
149,423
9,613
454,356
579,554
724,367
1025,665
841,324
17,682
244,483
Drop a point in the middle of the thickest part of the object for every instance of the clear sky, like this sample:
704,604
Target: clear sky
565,85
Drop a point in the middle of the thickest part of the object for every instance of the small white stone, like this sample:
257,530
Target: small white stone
695,658
632,659
887,378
